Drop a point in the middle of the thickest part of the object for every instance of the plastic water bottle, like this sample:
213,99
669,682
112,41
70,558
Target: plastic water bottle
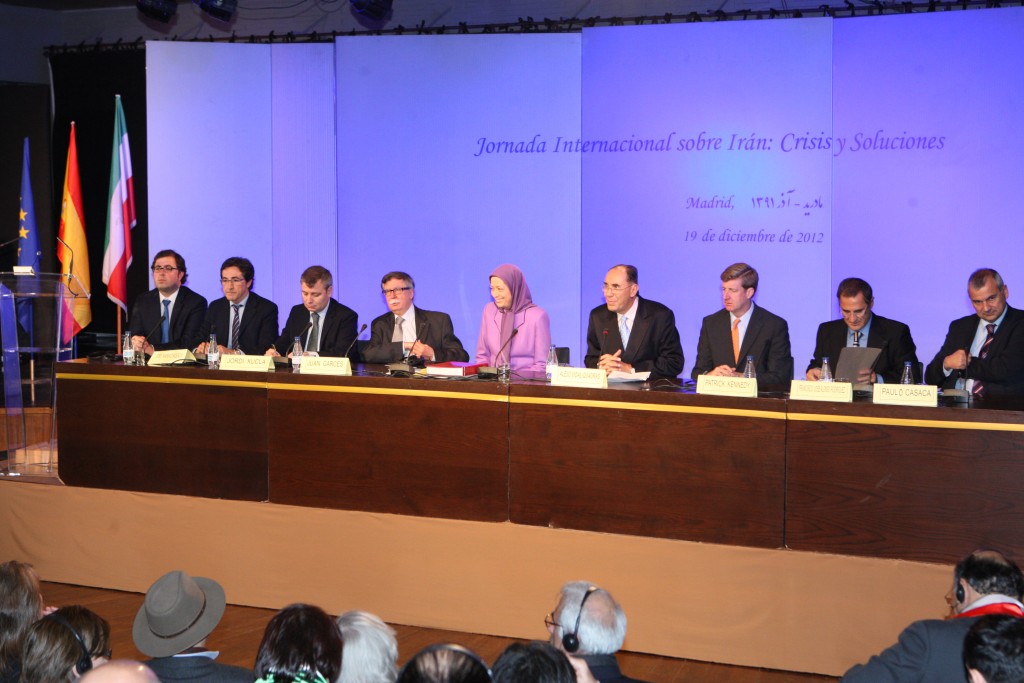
552,361
297,355
127,350
908,374
213,353
749,371
826,371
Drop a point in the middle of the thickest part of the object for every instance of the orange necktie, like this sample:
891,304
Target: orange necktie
736,340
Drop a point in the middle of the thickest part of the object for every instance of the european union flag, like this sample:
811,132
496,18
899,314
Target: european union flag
28,238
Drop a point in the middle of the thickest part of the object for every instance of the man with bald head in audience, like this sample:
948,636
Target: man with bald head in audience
587,623
984,582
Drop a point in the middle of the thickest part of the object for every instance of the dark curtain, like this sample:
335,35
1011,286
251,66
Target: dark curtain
85,83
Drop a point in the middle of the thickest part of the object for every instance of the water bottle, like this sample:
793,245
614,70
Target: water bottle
552,361
908,374
127,350
826,372
213,353
749,370
297,355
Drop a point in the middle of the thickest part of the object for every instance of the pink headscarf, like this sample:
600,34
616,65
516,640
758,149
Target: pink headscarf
521,300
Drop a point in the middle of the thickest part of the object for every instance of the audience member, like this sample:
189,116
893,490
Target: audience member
535,662
322,324
410,331
984,582
64,645
301,644
170,315
176,618
994,650
370,649
21,605
445,663
513,329
630,333
121,671
589,624
742,329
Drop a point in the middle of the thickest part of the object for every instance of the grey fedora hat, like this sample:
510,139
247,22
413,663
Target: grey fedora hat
178,612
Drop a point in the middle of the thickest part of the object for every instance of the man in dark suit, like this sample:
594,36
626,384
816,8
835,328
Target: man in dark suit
742,329
322,324
427,335
177,616
983,353
630,333
984,582
171,314
861,327
590,625
243,321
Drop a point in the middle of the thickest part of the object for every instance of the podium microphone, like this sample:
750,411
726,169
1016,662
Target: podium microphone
361,330
490,371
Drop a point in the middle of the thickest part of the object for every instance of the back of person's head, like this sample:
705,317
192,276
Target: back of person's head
301,643
994,648
21,604
989,572
64,645
601,622
445,663
371,650
121,671
535,662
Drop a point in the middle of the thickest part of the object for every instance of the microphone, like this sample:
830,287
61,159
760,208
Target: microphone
426,331
604,338
491,371
155,328
71,265
361,330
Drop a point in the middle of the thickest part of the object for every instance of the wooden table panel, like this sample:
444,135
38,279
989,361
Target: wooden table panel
162,430
910,483
432,448
670,465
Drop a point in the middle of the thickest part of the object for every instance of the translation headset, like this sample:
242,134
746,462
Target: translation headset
84,662
571,641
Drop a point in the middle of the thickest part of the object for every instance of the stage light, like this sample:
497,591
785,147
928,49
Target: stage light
221,10
372,9
161,10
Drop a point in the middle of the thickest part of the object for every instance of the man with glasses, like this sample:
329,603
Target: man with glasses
171,315
322,325
983,353
407,331
632,334
243,320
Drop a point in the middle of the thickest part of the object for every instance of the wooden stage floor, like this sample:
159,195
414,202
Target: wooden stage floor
238,637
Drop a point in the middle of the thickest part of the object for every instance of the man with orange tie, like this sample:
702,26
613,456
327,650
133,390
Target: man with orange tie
742,329
983,353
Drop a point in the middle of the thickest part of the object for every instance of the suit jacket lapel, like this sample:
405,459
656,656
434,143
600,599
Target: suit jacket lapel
750,336
641,324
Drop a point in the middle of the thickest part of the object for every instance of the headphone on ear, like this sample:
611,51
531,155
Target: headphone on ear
84,662
571,641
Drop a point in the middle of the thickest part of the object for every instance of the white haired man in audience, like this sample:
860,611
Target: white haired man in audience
370,653
590,625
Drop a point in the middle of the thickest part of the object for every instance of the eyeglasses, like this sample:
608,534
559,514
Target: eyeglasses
396,291
232,280
612,288
549,620
163,269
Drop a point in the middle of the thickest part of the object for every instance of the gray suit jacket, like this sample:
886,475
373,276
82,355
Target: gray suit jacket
927,651
198,669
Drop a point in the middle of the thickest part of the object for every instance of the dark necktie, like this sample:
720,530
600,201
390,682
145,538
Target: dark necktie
856,338
165,326
979,387
314,334
236,325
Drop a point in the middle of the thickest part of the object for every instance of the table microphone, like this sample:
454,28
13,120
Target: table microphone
604,338
361,330
490,370
156,327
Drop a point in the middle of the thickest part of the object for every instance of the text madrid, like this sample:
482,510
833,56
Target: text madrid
704,142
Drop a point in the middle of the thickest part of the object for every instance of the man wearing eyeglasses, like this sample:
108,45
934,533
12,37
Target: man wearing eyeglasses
322,324
171,315
630,333
406,330
243,321
984,353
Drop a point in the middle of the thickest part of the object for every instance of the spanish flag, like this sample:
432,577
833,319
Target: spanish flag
72,250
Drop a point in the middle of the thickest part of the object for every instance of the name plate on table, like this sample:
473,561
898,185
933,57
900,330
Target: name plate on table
742,387
906,395
171,357
836,392
236,361
586,378
323,365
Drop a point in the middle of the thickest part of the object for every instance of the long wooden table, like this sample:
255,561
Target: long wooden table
855,479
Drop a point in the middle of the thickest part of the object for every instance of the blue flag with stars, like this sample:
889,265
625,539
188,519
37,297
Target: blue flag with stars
28,238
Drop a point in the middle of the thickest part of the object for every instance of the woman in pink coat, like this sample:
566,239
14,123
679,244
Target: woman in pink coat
511,311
